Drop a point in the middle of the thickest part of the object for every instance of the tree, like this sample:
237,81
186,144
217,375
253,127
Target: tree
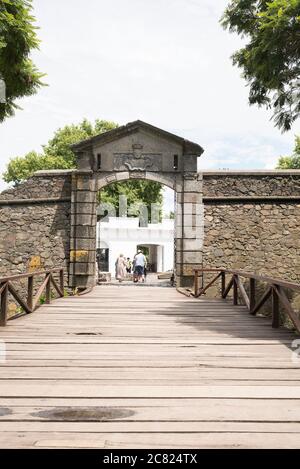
271,59
137,192
57,154
291,162
17,39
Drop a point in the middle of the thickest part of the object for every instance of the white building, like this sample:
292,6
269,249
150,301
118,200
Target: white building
123,235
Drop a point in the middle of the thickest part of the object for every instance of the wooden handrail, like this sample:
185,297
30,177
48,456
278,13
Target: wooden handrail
31,303
275,289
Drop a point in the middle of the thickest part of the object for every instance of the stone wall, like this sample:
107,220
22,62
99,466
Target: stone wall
251,183
257,237
252,223
35,225
41,185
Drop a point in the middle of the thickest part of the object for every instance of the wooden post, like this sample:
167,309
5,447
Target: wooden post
48,289
3,305
275,309
30,292
196,283
223,282
235,291
61,281
252,294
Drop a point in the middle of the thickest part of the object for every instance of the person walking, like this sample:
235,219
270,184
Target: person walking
121,268
140,264
128,265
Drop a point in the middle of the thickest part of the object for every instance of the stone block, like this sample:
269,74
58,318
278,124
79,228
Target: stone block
190,163
83,219
189,257
83,231
82,244
192,185
84,208
189,197
123,176
188,244
85,183
85,197
193,233
82,281
190,220
82,255
190,208
82,268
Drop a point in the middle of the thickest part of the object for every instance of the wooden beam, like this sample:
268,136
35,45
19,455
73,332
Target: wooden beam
243,291
262,300
203,290
235,298
39,293
48,289
252,294
3,304
57,288
30,293
228,288
18,298
275,309
287,306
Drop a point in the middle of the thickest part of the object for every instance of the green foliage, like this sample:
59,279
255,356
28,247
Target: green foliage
271,59
17,39
291,162
57,153
59,145
137,191
21,168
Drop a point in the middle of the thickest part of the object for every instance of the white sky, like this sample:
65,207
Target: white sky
166,62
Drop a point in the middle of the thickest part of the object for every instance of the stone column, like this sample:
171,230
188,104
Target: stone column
83,230
189,228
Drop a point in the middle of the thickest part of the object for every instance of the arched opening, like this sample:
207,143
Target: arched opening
136,215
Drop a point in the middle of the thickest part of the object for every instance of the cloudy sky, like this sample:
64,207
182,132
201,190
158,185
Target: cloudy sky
166,62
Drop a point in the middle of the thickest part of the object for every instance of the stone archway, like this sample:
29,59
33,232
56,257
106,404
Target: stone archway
137,150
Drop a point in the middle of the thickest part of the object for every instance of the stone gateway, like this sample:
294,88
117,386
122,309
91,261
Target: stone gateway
236,219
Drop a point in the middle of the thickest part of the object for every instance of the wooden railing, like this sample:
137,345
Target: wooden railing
275,289
32,301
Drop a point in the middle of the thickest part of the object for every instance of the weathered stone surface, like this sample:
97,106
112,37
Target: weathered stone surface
40,187
83,244
83,219
189,197
87,208
83,231
189,257
82,255
82,268
260,238
223,184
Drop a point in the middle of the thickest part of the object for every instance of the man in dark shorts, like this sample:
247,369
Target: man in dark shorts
140,264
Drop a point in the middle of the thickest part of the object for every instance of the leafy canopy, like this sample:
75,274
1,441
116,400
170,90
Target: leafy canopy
17,39
291,162
58,155
271,58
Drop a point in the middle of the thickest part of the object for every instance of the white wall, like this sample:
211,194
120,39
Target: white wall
123,235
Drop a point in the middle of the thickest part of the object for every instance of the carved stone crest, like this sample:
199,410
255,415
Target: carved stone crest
137,160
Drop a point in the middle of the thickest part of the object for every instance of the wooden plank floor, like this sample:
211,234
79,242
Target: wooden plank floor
146,367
